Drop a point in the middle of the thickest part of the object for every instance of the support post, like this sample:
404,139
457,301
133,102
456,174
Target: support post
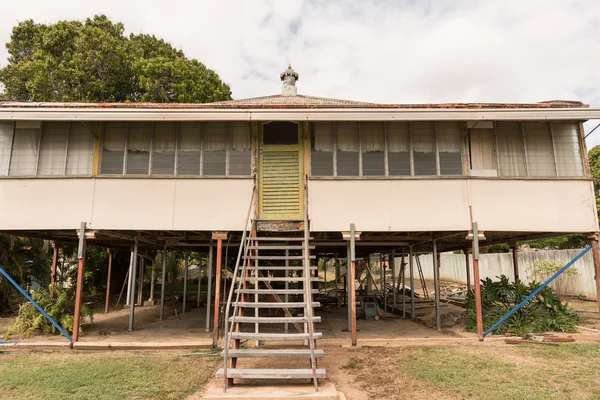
209,288
199,281
152,279
515,262
110,259
219,236
412,282
593,238
53,269
353,283
478,308
347,286
129,275
468,269
141,282
186,266
436,283
403,272
79,291
392,264
133,277
162,283
337,281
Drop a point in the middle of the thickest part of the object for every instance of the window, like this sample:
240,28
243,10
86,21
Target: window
398,135
449,148
24,157
567,148
423,142
511,151
372,138
138,148
539,149
482,145
6,138
215,148
53,148
347,149
80,152
184,149
321,149
163,150
113,148
240,155
189,149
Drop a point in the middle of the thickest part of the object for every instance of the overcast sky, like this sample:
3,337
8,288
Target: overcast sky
385,51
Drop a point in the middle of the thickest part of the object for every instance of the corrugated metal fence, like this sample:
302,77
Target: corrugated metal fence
452,268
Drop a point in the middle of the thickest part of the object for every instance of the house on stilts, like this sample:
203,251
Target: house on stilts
288,179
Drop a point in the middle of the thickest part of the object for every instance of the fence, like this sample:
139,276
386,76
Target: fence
452,268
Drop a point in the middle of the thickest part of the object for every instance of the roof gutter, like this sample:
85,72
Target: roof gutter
299,114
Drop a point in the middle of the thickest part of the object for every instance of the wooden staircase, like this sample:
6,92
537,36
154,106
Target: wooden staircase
271,301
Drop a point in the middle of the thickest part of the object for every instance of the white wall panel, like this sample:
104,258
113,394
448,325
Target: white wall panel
212,204
536,206
389,205
45,203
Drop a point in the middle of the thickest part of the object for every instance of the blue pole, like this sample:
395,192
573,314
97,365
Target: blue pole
56,325
532,295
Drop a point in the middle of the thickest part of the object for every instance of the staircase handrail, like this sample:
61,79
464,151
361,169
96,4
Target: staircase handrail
244,248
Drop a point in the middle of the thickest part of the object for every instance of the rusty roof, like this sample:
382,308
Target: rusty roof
293,102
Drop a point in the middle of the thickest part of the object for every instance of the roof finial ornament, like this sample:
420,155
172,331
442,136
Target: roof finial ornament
289,78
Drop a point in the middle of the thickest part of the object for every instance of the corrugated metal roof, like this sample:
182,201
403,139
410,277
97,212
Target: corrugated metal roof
294,102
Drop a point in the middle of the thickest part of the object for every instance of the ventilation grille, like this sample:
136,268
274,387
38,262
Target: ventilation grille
281,196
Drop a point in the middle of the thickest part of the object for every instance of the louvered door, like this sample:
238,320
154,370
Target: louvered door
280,174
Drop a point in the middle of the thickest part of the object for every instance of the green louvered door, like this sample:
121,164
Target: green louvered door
280,172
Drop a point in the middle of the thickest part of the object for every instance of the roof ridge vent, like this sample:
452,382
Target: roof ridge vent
289,78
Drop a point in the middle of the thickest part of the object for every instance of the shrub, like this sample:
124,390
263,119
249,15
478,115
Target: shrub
544,313
60,308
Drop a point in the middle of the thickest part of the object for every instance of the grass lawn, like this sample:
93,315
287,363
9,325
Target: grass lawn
478,372
104,375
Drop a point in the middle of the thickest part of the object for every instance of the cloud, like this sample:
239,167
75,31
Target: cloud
384,51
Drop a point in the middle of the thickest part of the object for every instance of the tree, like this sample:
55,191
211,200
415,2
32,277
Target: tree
93,61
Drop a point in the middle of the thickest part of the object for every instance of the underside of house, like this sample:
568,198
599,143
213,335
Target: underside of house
288,179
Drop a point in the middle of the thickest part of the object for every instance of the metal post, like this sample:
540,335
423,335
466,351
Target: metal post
412,282
348,288
596,258
186,262
515,263
478,308
53,269
353,284
162,283
436,282
133,276
218,285
392,263
287,284
141,282
79,291
468,267
199,282
403,271
337,282
152,279
110,258
209,288
129,274
383,288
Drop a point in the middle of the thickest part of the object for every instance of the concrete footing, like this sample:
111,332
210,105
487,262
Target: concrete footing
327,391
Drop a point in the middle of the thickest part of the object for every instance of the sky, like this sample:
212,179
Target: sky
402,51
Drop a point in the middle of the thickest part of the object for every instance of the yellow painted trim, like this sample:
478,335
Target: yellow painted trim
97,143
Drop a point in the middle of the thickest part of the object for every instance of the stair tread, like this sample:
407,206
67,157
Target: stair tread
271,320
272,353
276,239
281,257
279,268
280,278
247,304
274,336
276,373
279,247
